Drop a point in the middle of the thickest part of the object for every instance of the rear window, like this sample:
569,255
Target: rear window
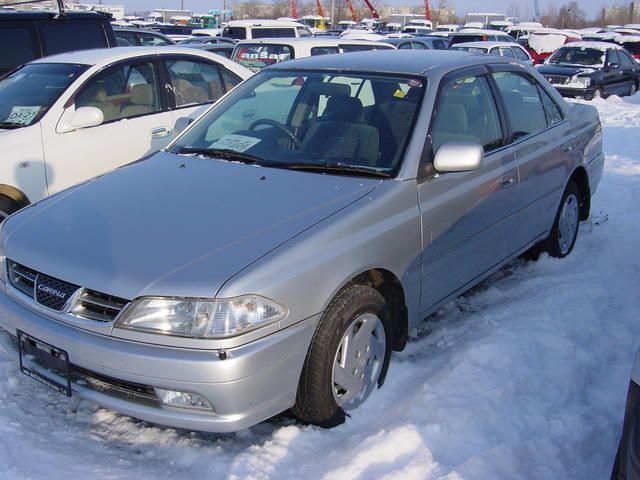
323,50
62,36
467,38
273,33
257,56
237,33
356,48
632,47
23,48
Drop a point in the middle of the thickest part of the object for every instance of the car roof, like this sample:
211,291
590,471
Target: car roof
47,15
487,44
109,55
313,41
479,31
264,23
594,45
407,62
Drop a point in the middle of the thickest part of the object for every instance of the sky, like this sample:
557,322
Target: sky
592,7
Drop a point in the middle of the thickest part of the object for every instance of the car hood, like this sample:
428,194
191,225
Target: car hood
568,70
172,225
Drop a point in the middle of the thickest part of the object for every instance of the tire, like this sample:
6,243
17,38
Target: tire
564,233
596,94
7,207
322,399
633,89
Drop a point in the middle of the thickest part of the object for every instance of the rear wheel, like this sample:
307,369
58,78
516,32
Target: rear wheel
7,207
633,89
564,233
349,351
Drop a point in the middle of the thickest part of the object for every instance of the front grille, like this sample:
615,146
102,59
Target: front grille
54,294
98,306
557,79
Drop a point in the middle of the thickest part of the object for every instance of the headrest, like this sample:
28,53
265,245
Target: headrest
142,95
454,117
343,109
97,93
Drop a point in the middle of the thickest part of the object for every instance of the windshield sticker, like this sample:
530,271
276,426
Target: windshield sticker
237,143
22,115
413,83
399,94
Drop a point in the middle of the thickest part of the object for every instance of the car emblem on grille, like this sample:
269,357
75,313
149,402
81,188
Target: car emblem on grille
53,293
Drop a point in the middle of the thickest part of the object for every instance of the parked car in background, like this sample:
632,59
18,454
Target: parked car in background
418,43
277,252
137,37
631,43
503,49
258,54
223,49
254,29
626,465
542,43
25,36
174,32
592,69
477,35
73,116
204,40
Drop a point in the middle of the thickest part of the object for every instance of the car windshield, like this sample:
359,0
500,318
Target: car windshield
27,93
589,57
324,122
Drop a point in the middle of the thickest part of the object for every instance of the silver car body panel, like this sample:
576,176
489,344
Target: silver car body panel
188,226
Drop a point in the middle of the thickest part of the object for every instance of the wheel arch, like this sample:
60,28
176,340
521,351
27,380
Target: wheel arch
581,178
14,194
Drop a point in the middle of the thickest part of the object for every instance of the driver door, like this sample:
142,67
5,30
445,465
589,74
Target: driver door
136,122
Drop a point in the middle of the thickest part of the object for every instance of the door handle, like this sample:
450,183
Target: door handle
508,180
160,132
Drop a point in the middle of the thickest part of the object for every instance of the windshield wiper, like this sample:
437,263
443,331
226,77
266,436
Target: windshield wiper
225,154
11,125
333,168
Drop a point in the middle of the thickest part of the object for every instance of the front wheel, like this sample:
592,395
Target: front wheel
348,354
7,207
564,233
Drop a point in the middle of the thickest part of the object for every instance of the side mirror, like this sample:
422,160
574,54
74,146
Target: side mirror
84,117
181,124
613,66
458,157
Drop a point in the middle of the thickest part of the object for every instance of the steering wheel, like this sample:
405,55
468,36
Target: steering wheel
278,125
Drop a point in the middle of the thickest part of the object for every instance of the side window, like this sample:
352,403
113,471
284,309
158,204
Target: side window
467,112
520,54
405,46
612,57
123,91
59,36
231,80
148,40
551,109
23,46
128,37
506,52
439,45
323,50
356,48
522,102
304,32
194,83
625,60
419,46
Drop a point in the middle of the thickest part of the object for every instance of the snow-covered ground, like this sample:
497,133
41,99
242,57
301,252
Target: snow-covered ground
525,377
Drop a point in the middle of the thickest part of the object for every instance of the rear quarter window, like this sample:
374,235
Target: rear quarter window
273,33
323,50
23,46
237,33
60,36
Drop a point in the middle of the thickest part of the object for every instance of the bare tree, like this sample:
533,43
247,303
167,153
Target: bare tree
514,10
280,8
442,12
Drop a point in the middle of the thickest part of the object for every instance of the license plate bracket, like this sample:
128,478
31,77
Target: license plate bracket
48,357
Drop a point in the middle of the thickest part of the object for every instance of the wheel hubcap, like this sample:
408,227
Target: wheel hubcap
568,224
358,361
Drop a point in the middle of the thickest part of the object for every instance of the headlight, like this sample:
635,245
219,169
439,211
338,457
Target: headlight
201,318
582,81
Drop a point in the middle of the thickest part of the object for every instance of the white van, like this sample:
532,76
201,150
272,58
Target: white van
251,29
258,54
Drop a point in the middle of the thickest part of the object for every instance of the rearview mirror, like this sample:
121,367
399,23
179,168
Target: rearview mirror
84,117
458,157
181,124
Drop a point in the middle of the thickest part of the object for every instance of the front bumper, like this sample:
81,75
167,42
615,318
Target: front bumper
627,462
253,383
575,92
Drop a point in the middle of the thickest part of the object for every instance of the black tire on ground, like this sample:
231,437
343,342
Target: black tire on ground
633,89
7,207
597,93
552,244
315,401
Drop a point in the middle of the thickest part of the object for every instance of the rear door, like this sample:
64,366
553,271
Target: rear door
137,122
614,78
469,219
538,136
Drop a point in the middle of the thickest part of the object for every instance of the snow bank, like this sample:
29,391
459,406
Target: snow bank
523,377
